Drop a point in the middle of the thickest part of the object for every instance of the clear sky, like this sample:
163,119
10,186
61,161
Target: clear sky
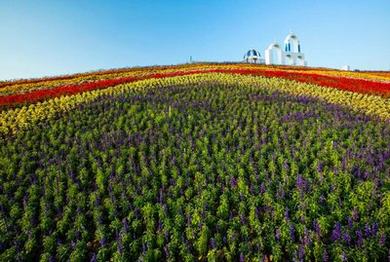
40,38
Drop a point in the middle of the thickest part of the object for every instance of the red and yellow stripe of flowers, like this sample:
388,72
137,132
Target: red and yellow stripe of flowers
7,88
33,95
36,84
18,119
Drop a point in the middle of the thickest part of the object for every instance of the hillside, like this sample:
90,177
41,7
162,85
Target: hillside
196,162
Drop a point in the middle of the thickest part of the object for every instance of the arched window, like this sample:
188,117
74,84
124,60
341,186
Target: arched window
299,48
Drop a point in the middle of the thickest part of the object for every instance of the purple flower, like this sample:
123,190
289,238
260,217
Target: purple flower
319,168
355,214
316,227
93,258
120,245
301,252
262,188
382,239
336,232
322,199
325,256
301,183
242,219
306,237
347,238
359,236
280,193
277,234
242,258
374,229
103,241
212,243
161,196
367,230
233,182
292,232
344,162
166,253
343,256
251,189
287,214
350,222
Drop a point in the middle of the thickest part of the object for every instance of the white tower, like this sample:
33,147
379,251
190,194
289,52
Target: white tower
274,55
292,50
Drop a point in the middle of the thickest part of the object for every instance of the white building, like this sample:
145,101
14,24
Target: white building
275,55
254,57
292,51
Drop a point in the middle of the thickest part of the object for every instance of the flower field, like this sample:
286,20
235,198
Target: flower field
209,162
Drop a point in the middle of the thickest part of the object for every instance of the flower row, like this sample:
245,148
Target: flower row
13,120
348,84
352,81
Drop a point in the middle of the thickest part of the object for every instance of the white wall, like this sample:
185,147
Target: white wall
274,55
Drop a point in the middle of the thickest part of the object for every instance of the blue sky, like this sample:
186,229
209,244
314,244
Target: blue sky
40,38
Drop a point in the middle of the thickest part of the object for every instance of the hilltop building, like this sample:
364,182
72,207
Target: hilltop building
274,54
253,56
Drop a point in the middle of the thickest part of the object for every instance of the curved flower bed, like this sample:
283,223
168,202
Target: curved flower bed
348,84
20,118
332,78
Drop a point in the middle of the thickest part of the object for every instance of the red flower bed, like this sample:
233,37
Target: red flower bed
349,84
343,83
42,94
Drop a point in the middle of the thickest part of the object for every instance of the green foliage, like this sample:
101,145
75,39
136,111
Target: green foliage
199,172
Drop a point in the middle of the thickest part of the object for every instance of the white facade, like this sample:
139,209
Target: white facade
291,54
292,51
274,55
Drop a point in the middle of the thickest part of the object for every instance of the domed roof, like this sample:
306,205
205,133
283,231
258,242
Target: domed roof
252,53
